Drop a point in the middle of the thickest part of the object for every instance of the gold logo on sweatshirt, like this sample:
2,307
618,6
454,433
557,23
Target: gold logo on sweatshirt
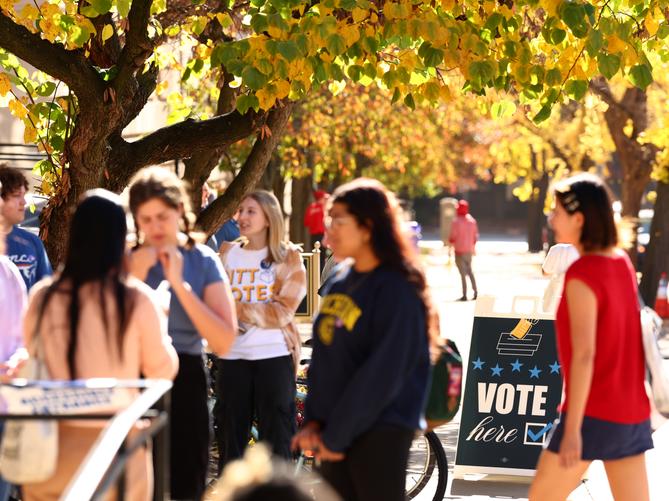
326,328
342,307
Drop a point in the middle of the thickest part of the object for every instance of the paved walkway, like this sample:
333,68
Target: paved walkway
505,269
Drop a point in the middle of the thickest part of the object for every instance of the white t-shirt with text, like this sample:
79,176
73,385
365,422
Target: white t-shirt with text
252,281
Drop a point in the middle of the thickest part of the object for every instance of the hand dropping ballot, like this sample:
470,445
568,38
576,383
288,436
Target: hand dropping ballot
512,390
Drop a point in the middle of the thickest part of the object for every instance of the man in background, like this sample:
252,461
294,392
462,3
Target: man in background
24,249
314,218
464,234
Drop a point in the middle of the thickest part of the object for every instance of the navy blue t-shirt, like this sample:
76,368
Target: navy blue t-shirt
370,362
27,252
202,267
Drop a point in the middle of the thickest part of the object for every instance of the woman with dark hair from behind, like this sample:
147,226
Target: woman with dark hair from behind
605,412
371,349
94,321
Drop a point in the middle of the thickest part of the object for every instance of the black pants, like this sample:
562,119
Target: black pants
374,468
264,389
189,430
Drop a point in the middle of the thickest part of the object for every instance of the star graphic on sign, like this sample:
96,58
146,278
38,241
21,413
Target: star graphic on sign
497,370
516,366
555,368
478,363
535,372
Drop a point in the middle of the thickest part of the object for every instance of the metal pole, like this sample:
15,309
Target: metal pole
161,454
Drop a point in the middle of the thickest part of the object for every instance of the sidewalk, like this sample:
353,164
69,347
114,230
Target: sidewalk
505,268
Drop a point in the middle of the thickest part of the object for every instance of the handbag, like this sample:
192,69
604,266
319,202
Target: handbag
651,324
29,450
445,392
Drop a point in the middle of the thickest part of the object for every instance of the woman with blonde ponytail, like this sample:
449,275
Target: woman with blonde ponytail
200,308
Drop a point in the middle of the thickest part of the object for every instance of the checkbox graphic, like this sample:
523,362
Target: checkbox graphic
536,433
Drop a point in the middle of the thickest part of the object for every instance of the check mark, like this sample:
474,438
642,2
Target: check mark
537,436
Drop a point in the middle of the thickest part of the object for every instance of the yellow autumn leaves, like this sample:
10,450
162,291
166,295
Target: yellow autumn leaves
55,21
16,107
5,84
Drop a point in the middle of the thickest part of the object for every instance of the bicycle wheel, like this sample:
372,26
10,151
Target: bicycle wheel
425,455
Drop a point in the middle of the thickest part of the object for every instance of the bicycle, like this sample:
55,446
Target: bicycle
425,456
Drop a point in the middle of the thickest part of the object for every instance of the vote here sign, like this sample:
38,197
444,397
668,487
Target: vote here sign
512,390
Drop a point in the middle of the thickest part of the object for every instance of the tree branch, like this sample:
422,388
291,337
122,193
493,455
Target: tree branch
533,129
71,67
601,87
186,138
224,206
138,47
104,54
199,166
146,83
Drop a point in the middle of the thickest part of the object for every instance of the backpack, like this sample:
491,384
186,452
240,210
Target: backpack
445,393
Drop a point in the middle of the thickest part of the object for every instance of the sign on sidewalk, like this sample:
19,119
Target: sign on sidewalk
512,390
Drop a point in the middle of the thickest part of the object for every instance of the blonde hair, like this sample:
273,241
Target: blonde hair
276,243
163,184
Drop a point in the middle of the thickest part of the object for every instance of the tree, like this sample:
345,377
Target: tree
656,259
528,156
100,60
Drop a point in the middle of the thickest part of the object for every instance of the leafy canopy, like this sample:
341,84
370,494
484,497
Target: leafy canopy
542,52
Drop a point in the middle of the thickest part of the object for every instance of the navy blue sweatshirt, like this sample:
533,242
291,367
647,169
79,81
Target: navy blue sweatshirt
370,362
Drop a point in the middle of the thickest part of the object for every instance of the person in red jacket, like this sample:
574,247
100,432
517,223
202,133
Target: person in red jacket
314,217
464,234
605,412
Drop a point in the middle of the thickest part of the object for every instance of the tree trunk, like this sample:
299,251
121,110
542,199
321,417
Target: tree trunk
89,163
269,178
300,199
535,209
656,259
279,189
636,158
254,166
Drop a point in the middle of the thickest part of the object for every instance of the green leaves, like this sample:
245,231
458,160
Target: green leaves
253,78
557,36
123,7
503,109
576,89
608,64
640,76
575,17
433,57
544,113
246,102
101,6
288,49
553,77
46,89
336,44
481,72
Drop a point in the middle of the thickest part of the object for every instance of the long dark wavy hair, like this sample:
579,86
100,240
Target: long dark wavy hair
376,208
94,254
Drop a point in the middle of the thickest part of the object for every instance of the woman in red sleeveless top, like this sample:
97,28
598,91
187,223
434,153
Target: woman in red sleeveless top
605,410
